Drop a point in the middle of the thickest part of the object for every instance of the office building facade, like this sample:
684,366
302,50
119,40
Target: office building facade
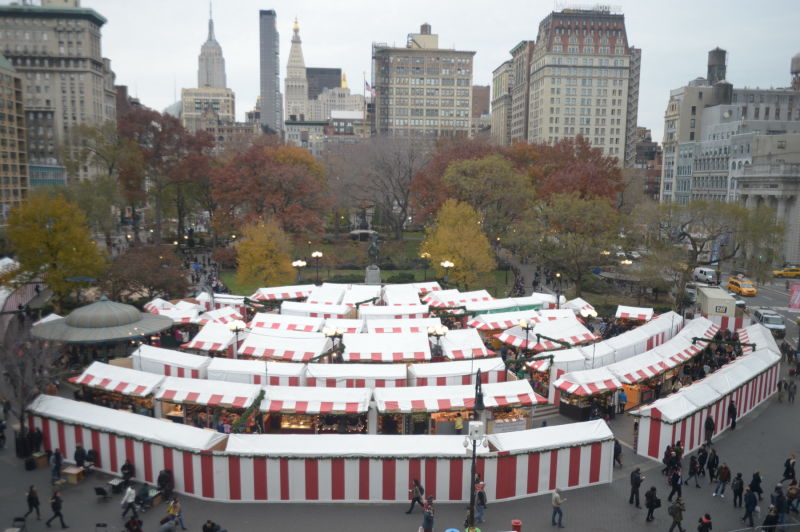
13,138
271,111
501,105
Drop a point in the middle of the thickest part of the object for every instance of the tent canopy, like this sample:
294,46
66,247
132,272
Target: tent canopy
213,337
568,330
457,368
634,313
120,380
502,320
314,400
283,347
266,320
375,347
357,293
427,286
327,293
400,294
578,304
678,349
356,371
274,293
315,310
347,325
640,367
588,382
396,312
458,397
208,393
410,325
552,437
573,359
150,358
220,315
460,344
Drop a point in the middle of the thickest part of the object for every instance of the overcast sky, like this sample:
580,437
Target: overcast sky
153,44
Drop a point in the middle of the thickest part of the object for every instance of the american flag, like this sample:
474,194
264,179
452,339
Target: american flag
368,88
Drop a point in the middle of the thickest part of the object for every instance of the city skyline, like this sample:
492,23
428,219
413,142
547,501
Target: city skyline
674,47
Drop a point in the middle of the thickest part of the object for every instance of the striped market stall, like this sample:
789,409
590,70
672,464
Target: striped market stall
216,339
633,313
304,409
462,344
377,347
283,322
316,310
277,293
458,372
356,375
351,326
257,372
393,312
220,315
291,348
119,387
395,295
411,325
168,362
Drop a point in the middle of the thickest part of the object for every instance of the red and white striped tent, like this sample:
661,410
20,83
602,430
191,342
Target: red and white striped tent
501,321
628,344
728,322
169,362
314,400
568,330
119,380
215,337
397,312
550,314
347,325
678,349
220,315
661,328
222,301
276,293
759,335
452,398
284,322
549,300
699,327
747,381
449,293
356,375
400,294
327,294
564,361
634,313
316,310
599,354
427,286
458,372
410,325
157,304
506,304
445,299
579,305
376,347
640,367
257,372
207,393
588,382
460,344
356,293
289,348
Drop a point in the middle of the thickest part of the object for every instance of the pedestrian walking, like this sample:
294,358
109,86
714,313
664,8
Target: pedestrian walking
56,461
33,502
416,491
128,472
702,458
427,516
694,469
791,389
732,412
651,502
778,500
675,482
129,501
480,502
712,465
557,500
750,504
737,486
793,496
770,520
755,485
622,400
174,509
675,511
788,468
636,481
704,524
56,504
723,477
617,452
781,388
709,426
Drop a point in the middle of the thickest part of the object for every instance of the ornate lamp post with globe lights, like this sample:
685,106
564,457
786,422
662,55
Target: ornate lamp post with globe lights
316,256
299,264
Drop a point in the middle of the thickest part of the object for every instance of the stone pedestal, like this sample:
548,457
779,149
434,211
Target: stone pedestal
373,275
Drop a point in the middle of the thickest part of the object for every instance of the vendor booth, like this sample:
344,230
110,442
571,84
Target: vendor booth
204,403
546,370
642,377
356,375
277,293
119,388
217,339
461,344
568,330
661,328
362,294
283,322
426,286
168,362
446,298
410,325
585,391
217,301
344,325
435,409
179,315
678,350
257,372
580,306
400,295
458,372
501,321
316,310
291,348
506,304
377,347
327,294
628,344
307,409
633,313
394,312
220,315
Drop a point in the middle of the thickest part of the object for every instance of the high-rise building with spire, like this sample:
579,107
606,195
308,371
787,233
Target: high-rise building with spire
211,64
296,83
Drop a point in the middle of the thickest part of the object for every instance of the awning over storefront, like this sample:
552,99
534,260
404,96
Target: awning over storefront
573,359
678,350
588,382
208,393
568,330
291,349
356,375
168,362
214,337
119,380
275,293
266,320
640,367
634,313
313,400
220,315
450,398
458,372
376,347
315,310
409,325
460,344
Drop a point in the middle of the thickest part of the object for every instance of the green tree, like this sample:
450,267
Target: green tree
567,234
263,252
100,200
52,242
456,236
493,187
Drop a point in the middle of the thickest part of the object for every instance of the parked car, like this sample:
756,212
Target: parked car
791,271
705,275
771,320
743,287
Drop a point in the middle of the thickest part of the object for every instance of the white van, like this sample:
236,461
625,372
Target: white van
704,274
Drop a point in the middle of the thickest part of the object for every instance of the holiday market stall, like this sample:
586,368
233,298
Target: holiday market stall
546,370
400,295
409,325
377,347
327,294
458,372
179,315
277,293
217,339
118,387
298,347
356,375
217,301
628,344
507,304
580,307
436,409
344,325
257,372
634,313
220,315
564,330
283,322
678,350
587,393
460,344
205,403
501,321
747,381
394,312
317,310
449,299
642,376
303,409
361,294
425,287
168,362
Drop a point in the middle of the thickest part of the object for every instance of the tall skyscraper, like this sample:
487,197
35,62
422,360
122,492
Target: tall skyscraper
521,56
585,81
320,79
211,64
501,104
14,170
269,48
56,49
422,90
296,89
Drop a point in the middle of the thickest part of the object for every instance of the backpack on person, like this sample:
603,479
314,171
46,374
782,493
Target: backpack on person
737,485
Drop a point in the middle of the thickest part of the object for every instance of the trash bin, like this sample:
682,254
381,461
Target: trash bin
516,525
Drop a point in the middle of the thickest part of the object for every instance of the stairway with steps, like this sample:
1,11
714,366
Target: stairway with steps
544,411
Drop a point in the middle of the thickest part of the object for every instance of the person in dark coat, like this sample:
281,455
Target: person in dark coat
33,502
55,505
709,426
416,491
128,472
732,412
771,520
702,458
712,465
427,516
38,438
755,485
80,455
636,481
737,486
788,468
651,502
704,524
617,452
675,482
750,503
694,470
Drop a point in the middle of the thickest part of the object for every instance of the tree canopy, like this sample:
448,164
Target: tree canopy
146,272
264,255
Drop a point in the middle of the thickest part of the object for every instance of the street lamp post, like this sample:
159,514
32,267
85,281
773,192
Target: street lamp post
334,334
558,290
316,256
477,434
236,326
437,332
426,257
447,265
298,264
526,326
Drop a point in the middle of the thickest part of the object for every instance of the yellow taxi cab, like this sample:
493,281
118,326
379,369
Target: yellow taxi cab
787,272
743,287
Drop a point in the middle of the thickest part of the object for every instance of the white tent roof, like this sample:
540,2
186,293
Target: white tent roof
206,392
266,320
353,445
457,367
458,397
321,310
408,325
219,315
700,394
578,304
427,286
315,400
357,293
327,293
556,314
375,347
552,437
664,323
502,320
588,382
284,348
213,337
150,358
627,343
699,327
441,294
156,304
460,344
178,315
673,408
573,359
567,329
678,349
225,369
505,303
356,371
400,294
273,293
597,354
634,313
345,324
140,427
118,379
393,311
640,367
446,299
